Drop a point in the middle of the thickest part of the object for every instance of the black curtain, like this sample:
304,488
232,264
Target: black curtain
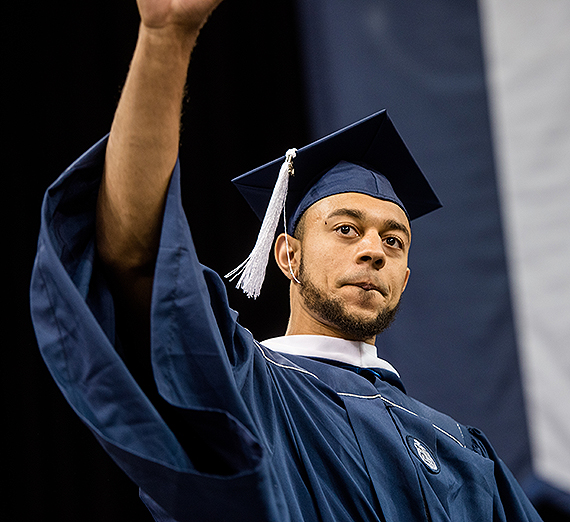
64,64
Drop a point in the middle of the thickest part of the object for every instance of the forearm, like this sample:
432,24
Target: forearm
142,148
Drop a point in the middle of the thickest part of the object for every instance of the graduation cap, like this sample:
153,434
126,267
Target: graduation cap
367,157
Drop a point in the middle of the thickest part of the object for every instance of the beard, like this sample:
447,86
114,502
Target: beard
333,311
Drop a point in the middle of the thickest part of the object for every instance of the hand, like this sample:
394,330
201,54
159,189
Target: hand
184,15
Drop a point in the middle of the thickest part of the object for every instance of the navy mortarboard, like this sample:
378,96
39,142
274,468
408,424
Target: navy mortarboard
367,157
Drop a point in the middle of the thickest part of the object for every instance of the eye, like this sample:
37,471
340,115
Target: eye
394,242
347,231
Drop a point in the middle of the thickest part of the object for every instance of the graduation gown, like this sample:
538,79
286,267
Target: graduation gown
259,436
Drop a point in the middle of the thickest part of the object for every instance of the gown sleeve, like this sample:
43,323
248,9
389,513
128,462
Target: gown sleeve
200,358
510,502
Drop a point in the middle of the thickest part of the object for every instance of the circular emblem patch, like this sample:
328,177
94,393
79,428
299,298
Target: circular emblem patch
422,452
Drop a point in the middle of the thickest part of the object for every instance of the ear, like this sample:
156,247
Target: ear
288,255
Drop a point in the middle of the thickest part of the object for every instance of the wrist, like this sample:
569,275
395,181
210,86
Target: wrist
171,39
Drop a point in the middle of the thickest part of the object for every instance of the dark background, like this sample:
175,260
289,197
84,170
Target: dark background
65,63
63,69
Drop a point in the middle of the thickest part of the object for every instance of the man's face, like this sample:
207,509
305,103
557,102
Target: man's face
354,263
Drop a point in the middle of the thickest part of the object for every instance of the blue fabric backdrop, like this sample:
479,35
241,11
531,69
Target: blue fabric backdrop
456,341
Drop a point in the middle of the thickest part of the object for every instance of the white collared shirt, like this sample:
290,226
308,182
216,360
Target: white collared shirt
356,353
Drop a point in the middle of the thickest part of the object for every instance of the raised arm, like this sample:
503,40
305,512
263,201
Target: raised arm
143,144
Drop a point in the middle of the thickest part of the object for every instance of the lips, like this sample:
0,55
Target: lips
369,286
366,281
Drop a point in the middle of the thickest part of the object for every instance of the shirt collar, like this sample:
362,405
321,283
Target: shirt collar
356,353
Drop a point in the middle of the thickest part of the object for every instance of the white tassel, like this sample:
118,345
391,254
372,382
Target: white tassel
252,270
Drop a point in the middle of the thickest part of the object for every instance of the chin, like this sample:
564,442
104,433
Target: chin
366,302
356,313
366,316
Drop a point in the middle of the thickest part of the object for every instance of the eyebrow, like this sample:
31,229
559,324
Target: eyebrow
352,212
390,224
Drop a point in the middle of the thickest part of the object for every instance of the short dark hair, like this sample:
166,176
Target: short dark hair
299,231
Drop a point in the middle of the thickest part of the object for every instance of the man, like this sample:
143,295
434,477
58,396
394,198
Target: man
310,426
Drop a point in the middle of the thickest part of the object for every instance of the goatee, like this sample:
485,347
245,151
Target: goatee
333,311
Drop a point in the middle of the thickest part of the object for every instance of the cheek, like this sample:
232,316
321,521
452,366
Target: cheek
401,279
320,264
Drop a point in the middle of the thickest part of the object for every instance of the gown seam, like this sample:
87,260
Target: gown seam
353,395
395,405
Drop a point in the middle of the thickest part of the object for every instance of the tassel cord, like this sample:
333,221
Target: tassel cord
252,270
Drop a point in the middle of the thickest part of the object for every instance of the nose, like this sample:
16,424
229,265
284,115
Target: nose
371,251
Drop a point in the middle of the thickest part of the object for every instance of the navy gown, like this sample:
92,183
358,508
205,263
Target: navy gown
242,433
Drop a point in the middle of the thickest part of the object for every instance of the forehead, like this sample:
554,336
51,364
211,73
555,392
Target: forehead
369,208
